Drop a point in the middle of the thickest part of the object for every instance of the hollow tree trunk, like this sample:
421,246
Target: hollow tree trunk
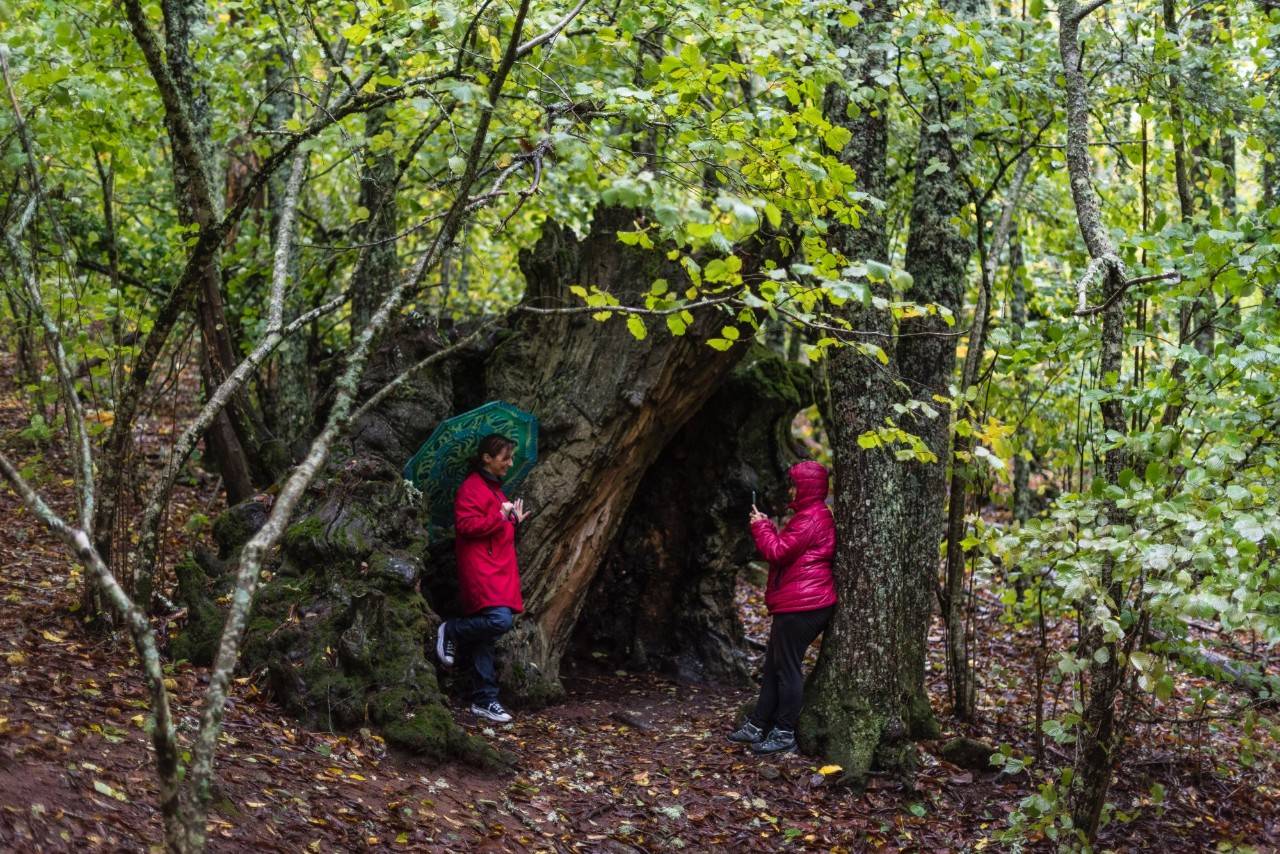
865,695
608,404
664,598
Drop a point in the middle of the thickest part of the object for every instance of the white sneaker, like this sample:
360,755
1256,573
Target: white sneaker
493,712
445,649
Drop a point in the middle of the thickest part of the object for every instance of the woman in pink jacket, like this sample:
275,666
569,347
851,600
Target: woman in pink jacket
801,596
488,577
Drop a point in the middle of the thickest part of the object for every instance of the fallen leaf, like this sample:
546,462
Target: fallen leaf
103,788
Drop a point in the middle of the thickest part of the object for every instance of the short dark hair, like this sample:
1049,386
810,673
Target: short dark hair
492,445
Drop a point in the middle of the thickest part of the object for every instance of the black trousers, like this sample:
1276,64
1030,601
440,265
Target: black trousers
782,689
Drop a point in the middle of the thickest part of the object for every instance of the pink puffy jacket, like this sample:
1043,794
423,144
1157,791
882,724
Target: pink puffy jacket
800,556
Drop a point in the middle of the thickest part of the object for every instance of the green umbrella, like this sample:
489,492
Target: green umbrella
443,461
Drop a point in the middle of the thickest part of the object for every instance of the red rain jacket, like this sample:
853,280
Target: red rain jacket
486,547
800,556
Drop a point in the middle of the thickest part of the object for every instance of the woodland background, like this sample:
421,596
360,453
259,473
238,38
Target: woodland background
1010,268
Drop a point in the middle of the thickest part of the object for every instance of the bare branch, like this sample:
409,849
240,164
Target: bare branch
1082,12
1087,311
551,33
627,309
411,371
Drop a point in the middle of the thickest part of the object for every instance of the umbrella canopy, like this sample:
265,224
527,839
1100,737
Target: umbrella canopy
442,463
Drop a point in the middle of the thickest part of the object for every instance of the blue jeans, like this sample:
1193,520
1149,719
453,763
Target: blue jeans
475,636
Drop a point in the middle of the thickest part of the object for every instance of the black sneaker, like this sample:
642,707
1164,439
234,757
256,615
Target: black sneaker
493,711
748,733
446,649
778,741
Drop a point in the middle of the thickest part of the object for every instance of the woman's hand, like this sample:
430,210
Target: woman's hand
756,515
520,514
509,510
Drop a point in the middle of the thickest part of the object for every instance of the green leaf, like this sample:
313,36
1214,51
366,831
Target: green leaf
837,137
720,343
356,33
636,326
774,215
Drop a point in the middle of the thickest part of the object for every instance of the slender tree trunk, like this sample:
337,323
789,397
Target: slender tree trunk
937,258
378,178
290,383
1018,323
1097,737
1191,176
866,694
955,601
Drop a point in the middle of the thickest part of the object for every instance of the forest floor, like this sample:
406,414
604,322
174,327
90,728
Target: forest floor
628,762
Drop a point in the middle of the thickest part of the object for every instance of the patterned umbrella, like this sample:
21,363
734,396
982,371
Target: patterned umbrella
441,464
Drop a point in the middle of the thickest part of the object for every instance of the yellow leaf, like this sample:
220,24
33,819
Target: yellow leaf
138,720
170,684
51,637
257,805
828,770
16,658
356,777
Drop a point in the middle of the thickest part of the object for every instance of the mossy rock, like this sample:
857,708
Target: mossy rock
431,732
233,527
395,570
971,753
198,640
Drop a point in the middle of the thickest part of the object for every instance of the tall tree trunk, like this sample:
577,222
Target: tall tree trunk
289,384
599,436
938,259
232,440
1097,738
866,694
1018,323
375,277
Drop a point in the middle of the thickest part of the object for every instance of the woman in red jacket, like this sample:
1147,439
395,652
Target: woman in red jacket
488,578
801,596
